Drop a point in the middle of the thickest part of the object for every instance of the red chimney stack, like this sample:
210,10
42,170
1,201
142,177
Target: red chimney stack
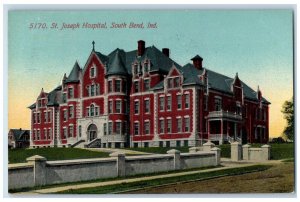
141,47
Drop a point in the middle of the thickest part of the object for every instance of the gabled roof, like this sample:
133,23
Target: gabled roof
17,133
74,74
197,57
116,65
53,98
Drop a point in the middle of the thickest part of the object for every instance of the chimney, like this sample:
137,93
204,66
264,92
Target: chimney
197,62
141,47
166,52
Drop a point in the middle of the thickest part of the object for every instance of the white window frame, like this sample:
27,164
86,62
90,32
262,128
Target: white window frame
147,107
147,130
187,101
179,126
120,86
94,70
161,101
187,125
161,126
138,107
134,128
69,94
169,129
120,106
118,122
169,107
179,104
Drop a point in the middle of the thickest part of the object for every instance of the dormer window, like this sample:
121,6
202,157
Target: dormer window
136,86
135,69
93,72
176,82
146,85
39,103
170,83
146,67
71,92
64,98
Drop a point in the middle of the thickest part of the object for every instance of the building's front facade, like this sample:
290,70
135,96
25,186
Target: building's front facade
18,138
143,98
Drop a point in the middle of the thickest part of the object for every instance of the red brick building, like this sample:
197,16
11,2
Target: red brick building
143,98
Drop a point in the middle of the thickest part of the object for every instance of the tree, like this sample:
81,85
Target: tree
288,112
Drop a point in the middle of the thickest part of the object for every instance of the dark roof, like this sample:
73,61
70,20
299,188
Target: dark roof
18,133
159,62
53,98
197,57
116,65
74,74
32,106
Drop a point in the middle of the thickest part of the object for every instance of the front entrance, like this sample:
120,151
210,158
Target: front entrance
92,132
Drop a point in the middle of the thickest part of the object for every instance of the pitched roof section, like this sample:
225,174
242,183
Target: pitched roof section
116,65
74,74
53,97
18,133
197,57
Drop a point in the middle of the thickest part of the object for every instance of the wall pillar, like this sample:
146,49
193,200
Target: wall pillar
208,146
266,152
246,148
221,140
176,154
236,151
217,152
39,169
120,164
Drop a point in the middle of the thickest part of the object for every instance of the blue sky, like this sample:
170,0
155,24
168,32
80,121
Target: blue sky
258,44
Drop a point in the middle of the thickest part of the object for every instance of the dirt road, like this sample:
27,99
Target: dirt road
278,179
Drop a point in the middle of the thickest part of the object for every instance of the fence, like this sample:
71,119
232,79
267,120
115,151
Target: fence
38,171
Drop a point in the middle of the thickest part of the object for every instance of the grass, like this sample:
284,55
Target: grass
157,182
20,155
159,150
278,151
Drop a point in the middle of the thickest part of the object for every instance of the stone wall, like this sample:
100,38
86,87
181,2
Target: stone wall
38,171
248,153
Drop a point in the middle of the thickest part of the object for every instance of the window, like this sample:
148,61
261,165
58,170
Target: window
97,89
49,116
118,86
110,126
169,103
146,69
79,131
92,72
45,117
71,92
45,133
71,111
92,90
161,144
238,109
136,107
39,103
136,128
49,133
97,111
187,101
179,101
71,131
136,86
147,127
146,144
39,117
179,125
178,143
135,69
38,135
87,111
146,85
109,86
64,98
65,131
161,103
104,129
161,126
169,83
167,143
92,110
125,127
118,127
118,106
176,82
65,115
186,143
110,106
187,124
169,125
147,106
218,104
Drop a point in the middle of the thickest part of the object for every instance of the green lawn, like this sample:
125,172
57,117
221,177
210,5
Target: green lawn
157,182
20,155
159,150
278,151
